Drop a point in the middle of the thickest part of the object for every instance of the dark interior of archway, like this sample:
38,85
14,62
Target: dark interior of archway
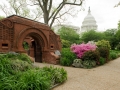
34,48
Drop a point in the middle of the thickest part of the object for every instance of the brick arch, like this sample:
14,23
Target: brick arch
14,30
33,32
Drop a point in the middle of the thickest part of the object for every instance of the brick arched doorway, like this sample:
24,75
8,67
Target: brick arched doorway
34,47
14,30
36,41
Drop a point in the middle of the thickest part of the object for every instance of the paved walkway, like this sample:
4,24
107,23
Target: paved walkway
106,77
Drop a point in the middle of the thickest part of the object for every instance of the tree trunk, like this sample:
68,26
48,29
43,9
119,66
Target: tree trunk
46,18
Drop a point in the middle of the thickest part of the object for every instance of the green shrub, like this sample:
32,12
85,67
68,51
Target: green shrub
58,75
118,55
65,61
91,55
14,56
11,67
29,80
103,43
113,55
34,79
89,64
104,52
118,47
90,58
102,60
24,57
67,57
65,43
16,74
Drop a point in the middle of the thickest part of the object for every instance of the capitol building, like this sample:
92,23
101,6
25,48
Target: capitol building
89,23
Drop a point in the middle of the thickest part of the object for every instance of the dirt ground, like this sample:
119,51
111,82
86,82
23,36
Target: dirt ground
106,77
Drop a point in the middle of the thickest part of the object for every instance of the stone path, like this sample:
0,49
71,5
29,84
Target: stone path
106,77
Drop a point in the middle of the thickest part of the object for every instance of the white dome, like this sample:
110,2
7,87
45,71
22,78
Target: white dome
89,22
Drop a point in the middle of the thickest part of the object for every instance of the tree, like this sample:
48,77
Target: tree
19,7
119,25
118,32
110,35
51,12
16,7
68,36
118,35
92,35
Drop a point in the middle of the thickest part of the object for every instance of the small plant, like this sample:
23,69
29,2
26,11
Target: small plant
113,55
58,75
25,45
77,63
102,60
89,64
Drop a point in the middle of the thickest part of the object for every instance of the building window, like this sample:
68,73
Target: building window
4,45
52,46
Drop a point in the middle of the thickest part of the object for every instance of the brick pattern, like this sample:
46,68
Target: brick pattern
46,40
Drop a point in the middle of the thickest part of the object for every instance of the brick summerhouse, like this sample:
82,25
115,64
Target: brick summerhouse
41,40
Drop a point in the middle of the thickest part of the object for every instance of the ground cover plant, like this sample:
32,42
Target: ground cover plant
18,73
114,54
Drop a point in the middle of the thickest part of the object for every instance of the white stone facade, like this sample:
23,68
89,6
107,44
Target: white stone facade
89,23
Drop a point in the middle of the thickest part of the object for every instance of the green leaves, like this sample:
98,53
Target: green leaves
16,73
68,36
67,57
103,43
92,35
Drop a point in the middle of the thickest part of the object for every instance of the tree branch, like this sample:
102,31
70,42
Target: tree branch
40,5
3,8
66,12
58,8
50,6
53,19
81,1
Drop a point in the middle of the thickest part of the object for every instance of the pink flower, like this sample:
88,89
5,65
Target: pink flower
80,49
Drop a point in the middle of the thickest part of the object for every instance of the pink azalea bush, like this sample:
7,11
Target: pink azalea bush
80,49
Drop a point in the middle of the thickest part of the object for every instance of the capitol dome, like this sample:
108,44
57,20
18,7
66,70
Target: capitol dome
89,23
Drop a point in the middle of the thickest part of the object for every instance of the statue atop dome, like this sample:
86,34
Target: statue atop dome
89,11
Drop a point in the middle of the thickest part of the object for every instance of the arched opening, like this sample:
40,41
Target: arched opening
36,40
32,45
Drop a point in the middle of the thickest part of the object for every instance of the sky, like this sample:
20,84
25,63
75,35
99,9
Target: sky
104,12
